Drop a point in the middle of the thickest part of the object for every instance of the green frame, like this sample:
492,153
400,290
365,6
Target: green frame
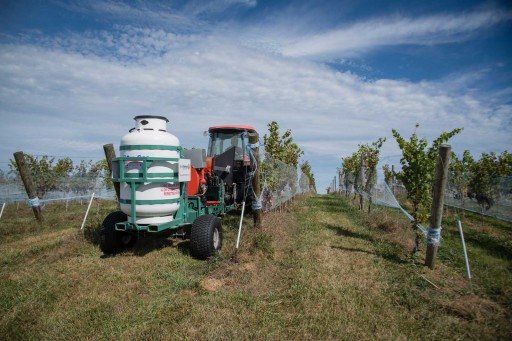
190,207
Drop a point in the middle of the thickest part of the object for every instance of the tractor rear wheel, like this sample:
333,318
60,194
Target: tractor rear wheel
205,237
112,241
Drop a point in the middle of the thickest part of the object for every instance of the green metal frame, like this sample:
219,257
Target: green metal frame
190,207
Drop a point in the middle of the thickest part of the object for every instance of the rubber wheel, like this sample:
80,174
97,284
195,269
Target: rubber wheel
112,241
205,237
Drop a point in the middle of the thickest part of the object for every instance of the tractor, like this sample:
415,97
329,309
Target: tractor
184,192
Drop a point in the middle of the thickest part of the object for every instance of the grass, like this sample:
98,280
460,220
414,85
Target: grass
319,269
489,247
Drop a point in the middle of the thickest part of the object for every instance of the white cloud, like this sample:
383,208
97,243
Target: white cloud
365,36
71,94
197,8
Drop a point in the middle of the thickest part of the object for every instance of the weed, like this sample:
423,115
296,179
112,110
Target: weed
263,242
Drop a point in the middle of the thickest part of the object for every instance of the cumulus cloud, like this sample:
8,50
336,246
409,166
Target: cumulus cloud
208,83
70,94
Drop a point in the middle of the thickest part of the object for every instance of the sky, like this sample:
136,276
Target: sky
74,74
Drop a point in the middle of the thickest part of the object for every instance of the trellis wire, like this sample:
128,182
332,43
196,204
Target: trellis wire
499,207
281,183
290,183
67,189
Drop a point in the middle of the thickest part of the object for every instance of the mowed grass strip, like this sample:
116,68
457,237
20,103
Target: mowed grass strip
341,291
319,269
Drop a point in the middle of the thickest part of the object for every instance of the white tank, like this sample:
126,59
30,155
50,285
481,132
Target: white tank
156,202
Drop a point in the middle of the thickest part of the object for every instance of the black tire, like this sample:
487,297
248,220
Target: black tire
205,237
112,241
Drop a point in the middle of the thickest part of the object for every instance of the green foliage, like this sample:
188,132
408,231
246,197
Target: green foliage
367,156
460,173
350,168
48,174
280,148
305,167
389,174
370,158
45,172
418,169
84,176
485,176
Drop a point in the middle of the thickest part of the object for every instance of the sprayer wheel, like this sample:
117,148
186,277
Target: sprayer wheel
112,241
205,237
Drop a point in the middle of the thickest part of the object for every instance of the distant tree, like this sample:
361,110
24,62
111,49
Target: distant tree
389,175
418,169
45,172
369,154
485,177
367,157
283,149
305,167
460,173
101,169
350,169
85,175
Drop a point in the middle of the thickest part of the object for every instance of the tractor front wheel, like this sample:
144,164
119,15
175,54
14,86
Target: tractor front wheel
112,241
205,237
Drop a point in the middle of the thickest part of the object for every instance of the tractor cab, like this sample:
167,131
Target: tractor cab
232,162
224,138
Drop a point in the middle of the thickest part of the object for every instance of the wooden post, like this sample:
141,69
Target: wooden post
339,182
392,185
110,154
27,181
441,177
361,182
254,139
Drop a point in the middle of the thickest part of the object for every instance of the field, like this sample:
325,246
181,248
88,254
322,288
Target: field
319,269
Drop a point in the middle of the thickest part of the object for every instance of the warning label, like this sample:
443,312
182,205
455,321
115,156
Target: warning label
170,189
131,165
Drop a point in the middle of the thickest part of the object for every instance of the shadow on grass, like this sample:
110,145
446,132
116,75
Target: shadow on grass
391,252
151,243
184,247
386,252
385,249
93,235
340,231
350,249
489,244
145,243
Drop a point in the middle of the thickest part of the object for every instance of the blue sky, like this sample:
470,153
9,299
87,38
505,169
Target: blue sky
73,74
